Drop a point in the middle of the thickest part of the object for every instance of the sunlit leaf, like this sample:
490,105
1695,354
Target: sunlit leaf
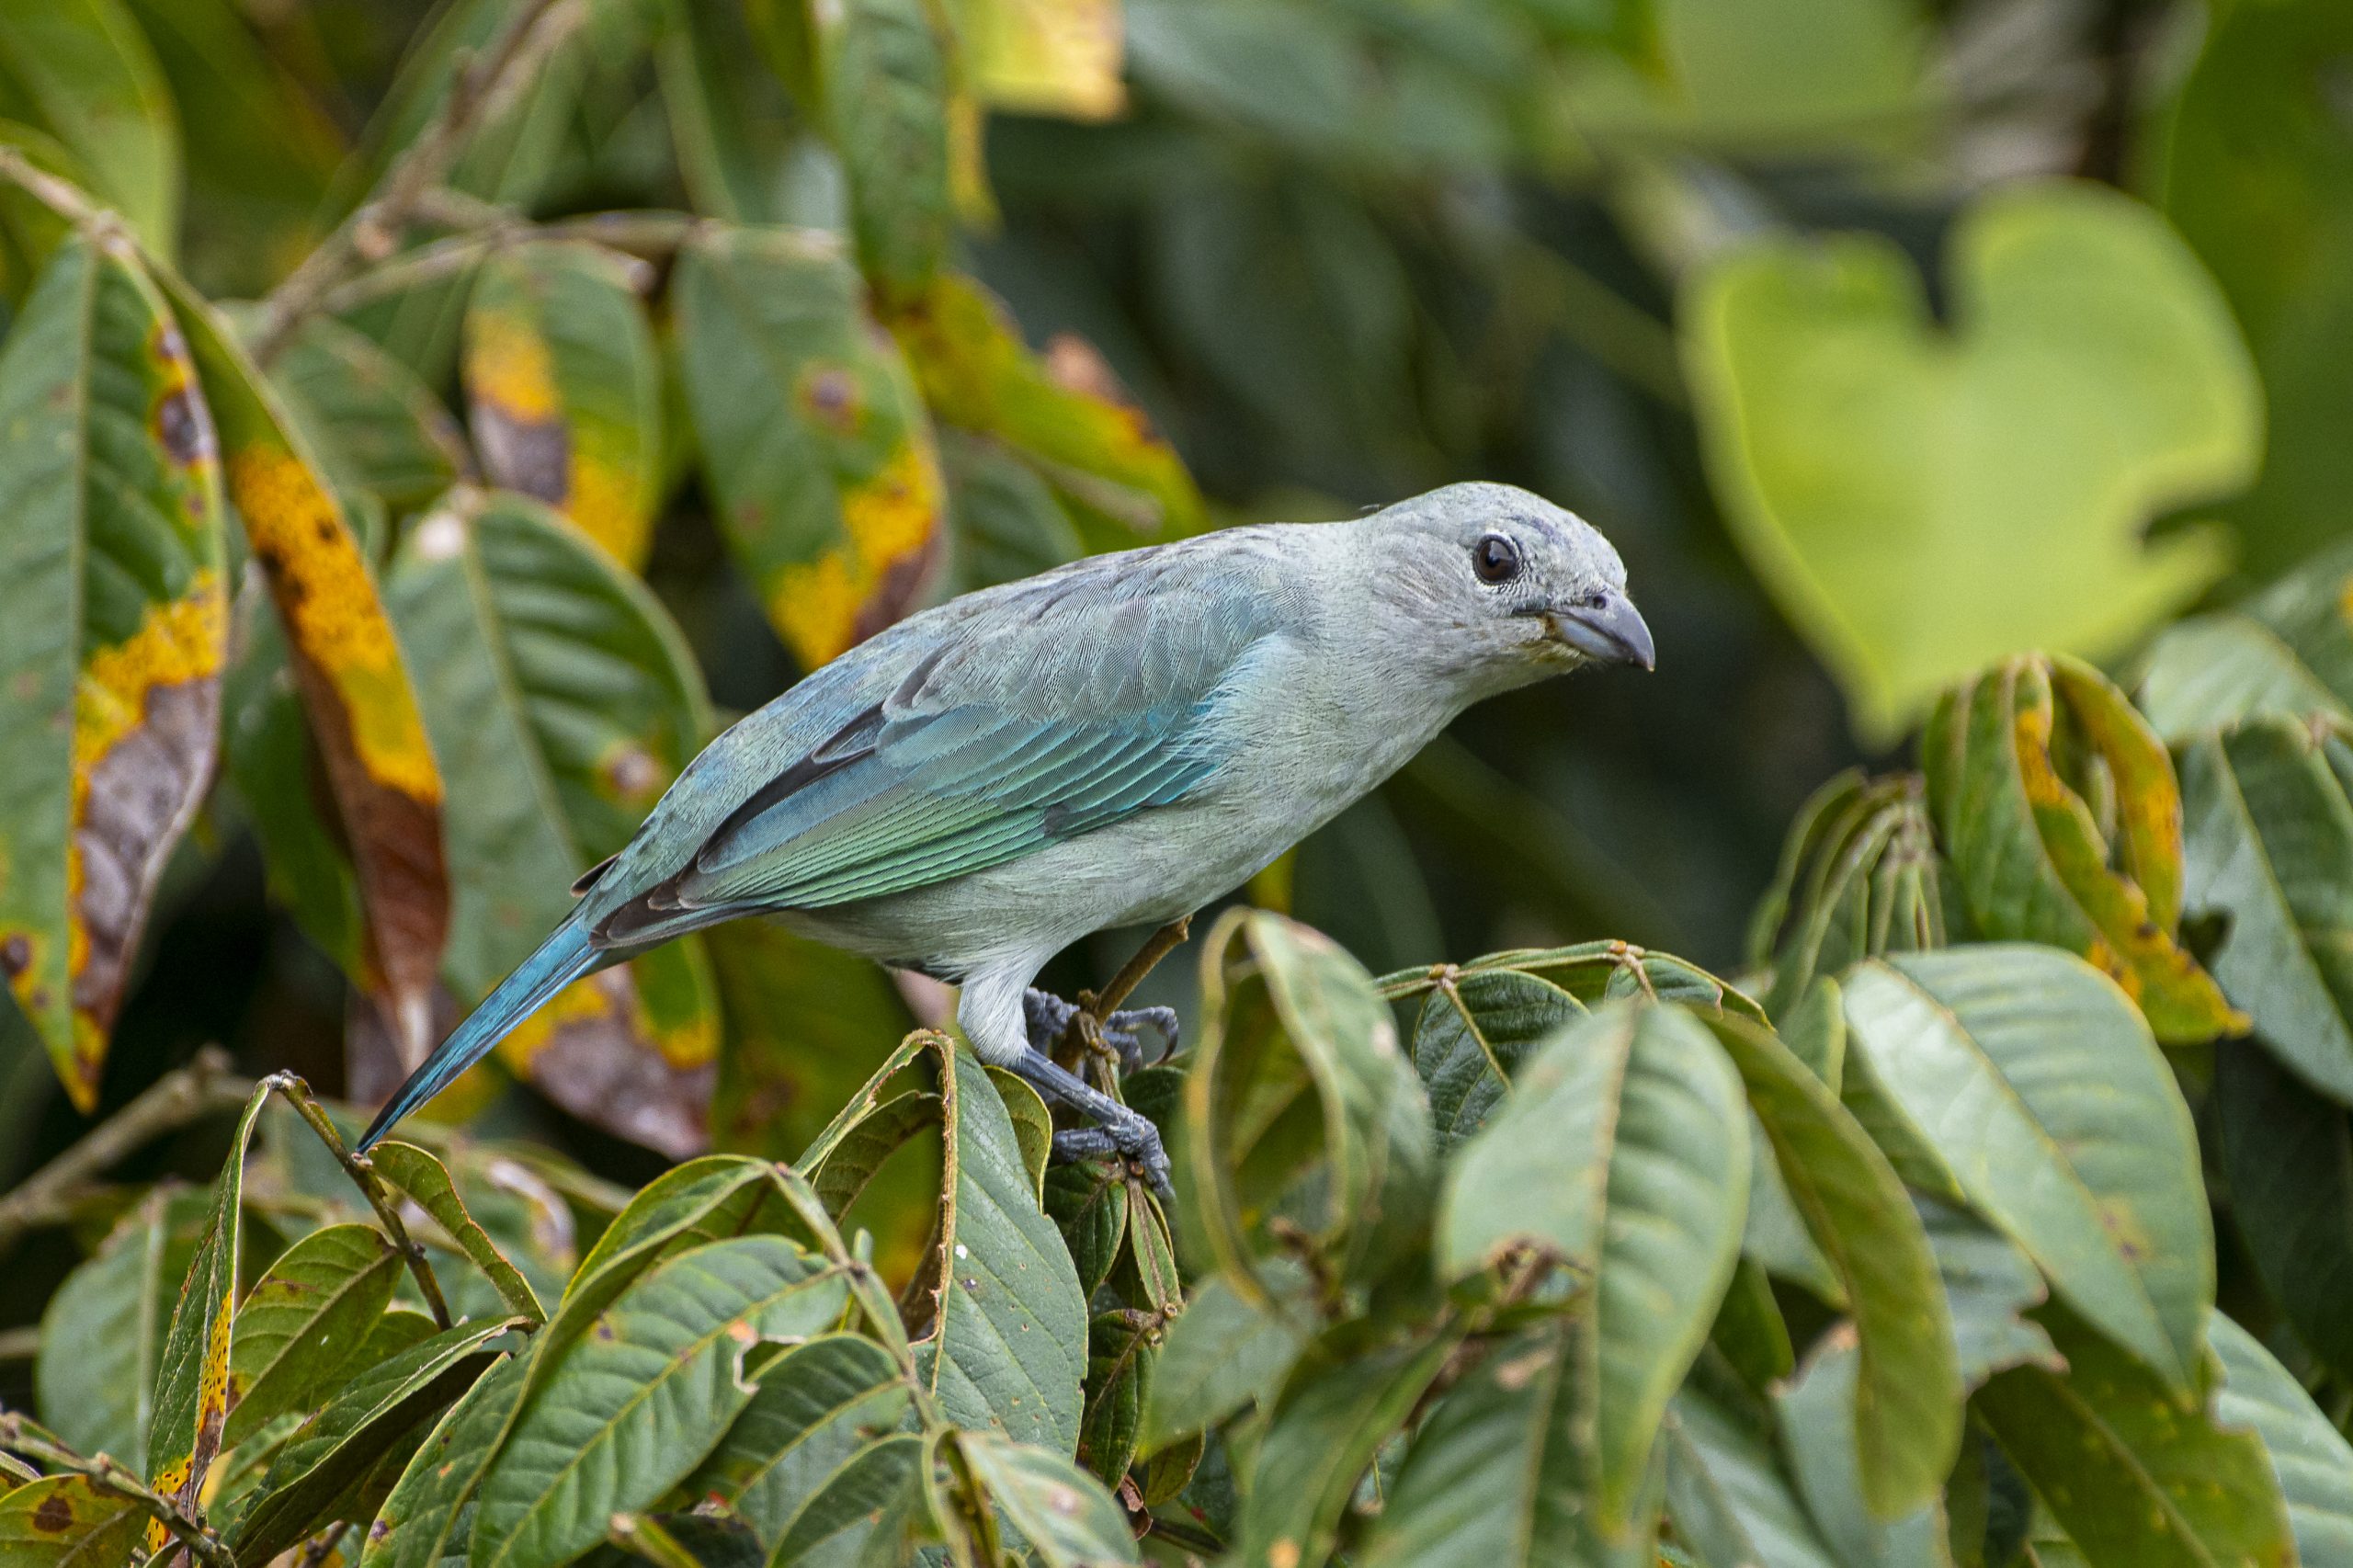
2091,379
111,593
1046,56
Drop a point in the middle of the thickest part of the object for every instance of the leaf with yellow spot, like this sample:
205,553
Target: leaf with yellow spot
564,388
1064,412
2060,809
1056,57
813,437
65,1521
365,725
562,701
113,626
193,1381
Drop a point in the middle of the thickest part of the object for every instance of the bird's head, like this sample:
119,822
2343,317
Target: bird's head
1519,586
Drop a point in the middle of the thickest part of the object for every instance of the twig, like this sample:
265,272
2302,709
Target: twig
17,1434
649,237
178,1097
21,1344
1161,943
362,1172
373,229
55,194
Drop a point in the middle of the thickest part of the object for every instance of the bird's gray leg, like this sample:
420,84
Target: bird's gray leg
1118,1129
1046,1017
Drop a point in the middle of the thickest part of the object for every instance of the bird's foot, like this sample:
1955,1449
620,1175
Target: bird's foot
1047,1017
1117,1130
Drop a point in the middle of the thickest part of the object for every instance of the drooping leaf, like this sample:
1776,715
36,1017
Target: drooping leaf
1122,1352
1063,1513
1727,1494
375,427
1832,1456
2270,845
102,1334
2134,1477
425,1181
1299,1097
2038,1086
85,71
1905,1386
1475,1031
2311,1457
2093,377
1097,452
562,701
65,1521
1624,1150
2010,756
367,1419
622,1414
111,591
192,1377
2288,1154
815,444
817,1407
1496,1475
1989,1287
882,73
1339,1404
304,1321
565,388
346,664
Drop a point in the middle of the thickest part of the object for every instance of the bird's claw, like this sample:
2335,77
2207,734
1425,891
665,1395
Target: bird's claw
1047,1017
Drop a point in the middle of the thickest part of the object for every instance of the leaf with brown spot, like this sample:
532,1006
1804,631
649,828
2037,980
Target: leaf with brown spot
346,667
113,627
814,442
564,388
2060,809
1062,414
65,1521
561,702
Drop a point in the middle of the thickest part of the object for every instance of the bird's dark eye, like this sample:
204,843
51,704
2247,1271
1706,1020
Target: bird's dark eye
1495,559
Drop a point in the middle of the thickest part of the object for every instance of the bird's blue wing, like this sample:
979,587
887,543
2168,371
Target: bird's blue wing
1029,716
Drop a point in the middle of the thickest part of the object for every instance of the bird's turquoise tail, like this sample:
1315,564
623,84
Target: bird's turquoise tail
563,958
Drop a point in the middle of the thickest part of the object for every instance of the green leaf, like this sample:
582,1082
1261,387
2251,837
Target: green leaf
65,1521
1475,1031
816,447
2137,1479
1299,1093
731,122
192,1377
366,1420
817,1406
1624,1150
102,1332
426,1521
883,74
561,702
425,1181
84,69
1989,1285
2004,756
2037,1084
1497,1475
377,427
1905,1384
1001,1322
1088,1200
1122,1348
1225,1350
1859,876
111,588
2312,1460
1726,1493
2287,1154
861,1513
621,1415
2212,671
2093,378
304,1321
1831,1453
1068,1517
2270,839
1009,524
564,388
1339,1405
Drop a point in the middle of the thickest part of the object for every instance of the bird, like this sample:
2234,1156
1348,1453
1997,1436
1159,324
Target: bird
1111,744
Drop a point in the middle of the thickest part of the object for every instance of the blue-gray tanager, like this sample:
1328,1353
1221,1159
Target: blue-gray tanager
1113,743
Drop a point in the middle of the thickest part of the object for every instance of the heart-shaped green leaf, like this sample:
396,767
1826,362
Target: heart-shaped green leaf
1989,482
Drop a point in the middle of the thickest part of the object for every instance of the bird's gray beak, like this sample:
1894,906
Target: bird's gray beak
1611,630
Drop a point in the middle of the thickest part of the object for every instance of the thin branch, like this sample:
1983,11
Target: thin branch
375,228
362,1172
649,237
1158,946
22,1436
21,1344
189,1094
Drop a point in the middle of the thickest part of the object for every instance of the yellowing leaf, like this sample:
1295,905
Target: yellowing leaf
1988,485
1046,56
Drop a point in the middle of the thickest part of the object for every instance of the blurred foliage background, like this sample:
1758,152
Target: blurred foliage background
1883,337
